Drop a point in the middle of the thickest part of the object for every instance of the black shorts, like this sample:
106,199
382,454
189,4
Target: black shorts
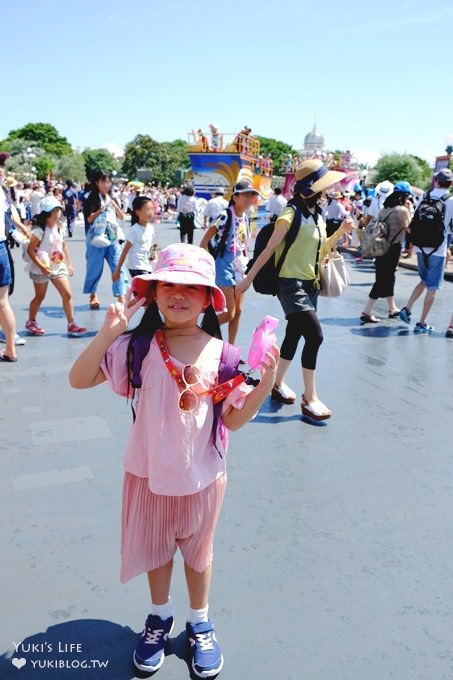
296,295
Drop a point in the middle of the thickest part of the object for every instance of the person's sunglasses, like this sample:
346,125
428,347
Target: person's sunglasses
188,399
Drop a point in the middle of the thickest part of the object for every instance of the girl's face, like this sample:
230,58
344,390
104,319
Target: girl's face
145,214
54,217
181,305
243,202
104,185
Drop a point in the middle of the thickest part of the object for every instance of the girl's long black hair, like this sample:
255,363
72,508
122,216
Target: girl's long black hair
40,220
151,321
137,203
395,198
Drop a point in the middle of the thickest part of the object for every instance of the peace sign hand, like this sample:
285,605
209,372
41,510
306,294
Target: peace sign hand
118,315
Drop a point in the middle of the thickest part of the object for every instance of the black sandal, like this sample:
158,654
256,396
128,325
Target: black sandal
6,359
394,315
366,318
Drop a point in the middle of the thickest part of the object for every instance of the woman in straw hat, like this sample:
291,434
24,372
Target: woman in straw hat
299,280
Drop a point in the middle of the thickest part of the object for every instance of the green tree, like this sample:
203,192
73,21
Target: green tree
44,135
162,158
71,167
279,151
426,170
44,166
394,167
140,152
99,159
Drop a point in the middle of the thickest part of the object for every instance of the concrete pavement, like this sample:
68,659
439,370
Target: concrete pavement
334,549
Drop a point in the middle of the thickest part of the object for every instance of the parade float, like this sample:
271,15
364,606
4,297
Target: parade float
219,160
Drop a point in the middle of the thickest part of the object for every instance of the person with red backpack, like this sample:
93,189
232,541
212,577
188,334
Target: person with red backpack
430,228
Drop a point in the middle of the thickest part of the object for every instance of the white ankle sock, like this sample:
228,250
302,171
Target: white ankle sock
165,611
198,615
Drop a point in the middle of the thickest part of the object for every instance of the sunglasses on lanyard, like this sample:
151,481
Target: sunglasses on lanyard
189,377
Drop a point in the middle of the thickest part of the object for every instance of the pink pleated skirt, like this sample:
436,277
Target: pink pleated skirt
154,526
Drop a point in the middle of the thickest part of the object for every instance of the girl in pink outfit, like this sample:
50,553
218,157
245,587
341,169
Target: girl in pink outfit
175,473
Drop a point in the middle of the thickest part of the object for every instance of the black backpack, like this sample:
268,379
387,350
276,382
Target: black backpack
266,281
427,227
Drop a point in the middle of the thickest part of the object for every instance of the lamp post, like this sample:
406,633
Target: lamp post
30,155
449,144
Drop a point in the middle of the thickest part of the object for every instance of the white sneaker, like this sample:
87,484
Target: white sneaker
18,340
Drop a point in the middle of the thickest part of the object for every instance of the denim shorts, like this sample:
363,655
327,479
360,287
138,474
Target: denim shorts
6,277
296,295
432,271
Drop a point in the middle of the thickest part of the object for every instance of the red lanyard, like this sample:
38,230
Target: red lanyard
219,393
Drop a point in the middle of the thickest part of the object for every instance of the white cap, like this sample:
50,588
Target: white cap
49,203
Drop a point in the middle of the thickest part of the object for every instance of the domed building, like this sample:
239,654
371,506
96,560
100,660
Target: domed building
314,141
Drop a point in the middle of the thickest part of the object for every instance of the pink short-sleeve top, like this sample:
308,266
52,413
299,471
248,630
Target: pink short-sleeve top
173,449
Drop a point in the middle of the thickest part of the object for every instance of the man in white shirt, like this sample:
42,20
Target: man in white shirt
276,204
431,263
214,207
36,197
334,213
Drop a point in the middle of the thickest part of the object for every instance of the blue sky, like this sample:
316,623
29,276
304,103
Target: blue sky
378,76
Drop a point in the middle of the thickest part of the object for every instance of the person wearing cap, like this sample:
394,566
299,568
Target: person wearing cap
227,238
334,212
383,190
175,464
71,205
397,218
215,206
49,261
431,265
299,280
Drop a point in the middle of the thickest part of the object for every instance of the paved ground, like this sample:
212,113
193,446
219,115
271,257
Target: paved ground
334,550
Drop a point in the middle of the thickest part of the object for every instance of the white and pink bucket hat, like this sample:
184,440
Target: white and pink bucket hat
185,264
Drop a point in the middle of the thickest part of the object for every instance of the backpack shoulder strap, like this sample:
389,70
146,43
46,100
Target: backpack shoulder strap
229,362
228,368
139,349
290,237
226,231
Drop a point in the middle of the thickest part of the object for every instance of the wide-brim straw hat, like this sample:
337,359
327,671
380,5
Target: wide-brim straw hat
313,176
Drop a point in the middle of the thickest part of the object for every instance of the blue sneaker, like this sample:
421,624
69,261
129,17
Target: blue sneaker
207,659
149,653
18,340
423,328
405,315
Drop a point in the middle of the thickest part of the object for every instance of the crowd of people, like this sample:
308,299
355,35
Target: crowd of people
173,366
36,214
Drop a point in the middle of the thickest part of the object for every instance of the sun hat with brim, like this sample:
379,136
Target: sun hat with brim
445,176
245,187
385,187
312,177
49,203
336,195
184,264
402,188
11,182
